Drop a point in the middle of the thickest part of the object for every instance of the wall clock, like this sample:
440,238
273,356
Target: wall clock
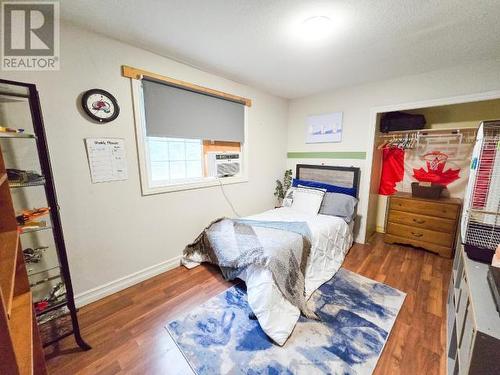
100,105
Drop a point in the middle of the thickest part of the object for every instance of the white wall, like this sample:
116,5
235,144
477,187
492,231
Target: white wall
359,103
111,230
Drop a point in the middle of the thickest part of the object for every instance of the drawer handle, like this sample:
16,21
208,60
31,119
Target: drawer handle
418,221
417,234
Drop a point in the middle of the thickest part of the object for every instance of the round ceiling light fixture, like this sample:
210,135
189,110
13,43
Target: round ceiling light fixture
316,27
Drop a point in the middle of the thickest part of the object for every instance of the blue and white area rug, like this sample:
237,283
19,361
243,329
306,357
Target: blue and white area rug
357,315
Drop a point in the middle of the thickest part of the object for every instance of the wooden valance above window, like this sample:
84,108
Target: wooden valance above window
135,73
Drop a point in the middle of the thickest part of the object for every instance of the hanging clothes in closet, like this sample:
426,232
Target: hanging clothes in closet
439,157
393,169
393,163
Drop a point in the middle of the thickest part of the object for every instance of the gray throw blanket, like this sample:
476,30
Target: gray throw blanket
281,247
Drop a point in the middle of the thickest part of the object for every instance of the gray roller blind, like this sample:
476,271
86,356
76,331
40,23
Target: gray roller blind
179,113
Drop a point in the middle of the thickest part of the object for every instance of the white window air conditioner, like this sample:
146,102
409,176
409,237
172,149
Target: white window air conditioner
223,164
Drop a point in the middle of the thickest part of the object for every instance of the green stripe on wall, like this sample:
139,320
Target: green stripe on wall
327,155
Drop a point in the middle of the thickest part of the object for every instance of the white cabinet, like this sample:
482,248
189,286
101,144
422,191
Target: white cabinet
473,339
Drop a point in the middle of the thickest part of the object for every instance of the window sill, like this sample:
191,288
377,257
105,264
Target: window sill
209,182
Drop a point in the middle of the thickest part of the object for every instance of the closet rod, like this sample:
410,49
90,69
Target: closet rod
425,131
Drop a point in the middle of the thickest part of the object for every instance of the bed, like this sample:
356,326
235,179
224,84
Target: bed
330,239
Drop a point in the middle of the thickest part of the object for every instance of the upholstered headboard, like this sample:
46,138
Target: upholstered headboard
340,176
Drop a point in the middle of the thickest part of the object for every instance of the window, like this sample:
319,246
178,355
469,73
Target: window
180,131
174,160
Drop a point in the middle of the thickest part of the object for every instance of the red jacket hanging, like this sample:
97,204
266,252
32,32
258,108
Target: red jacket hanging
392,170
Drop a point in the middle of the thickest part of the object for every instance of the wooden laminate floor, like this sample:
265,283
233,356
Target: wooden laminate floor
128,335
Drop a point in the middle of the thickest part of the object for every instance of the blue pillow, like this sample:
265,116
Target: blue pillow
329,188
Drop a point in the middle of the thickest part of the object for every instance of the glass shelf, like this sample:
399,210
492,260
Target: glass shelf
33,229
49,290
55,325
14,185
53,307
51,304
9,89
16,135
42,271
45,280
11,98
40,261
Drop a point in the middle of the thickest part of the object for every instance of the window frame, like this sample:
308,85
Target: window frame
147,187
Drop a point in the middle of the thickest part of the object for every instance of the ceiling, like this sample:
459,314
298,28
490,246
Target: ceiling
258,42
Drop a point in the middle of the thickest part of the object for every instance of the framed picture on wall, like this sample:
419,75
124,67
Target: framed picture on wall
325,128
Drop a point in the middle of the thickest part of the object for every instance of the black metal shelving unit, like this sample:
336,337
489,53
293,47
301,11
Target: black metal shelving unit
28,91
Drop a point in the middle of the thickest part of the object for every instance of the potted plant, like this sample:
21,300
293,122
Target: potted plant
282,187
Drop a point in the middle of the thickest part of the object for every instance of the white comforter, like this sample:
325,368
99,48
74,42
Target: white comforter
331,239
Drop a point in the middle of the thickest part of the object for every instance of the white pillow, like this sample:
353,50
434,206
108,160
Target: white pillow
307,201
287,201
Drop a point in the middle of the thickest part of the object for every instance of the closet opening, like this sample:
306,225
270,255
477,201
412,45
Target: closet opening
435,157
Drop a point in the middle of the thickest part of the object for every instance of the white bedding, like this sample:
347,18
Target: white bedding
331,239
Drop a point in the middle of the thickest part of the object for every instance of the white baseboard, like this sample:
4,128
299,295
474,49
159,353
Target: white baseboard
114,286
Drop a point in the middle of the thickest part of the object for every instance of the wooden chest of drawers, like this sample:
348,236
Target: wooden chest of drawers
427,223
